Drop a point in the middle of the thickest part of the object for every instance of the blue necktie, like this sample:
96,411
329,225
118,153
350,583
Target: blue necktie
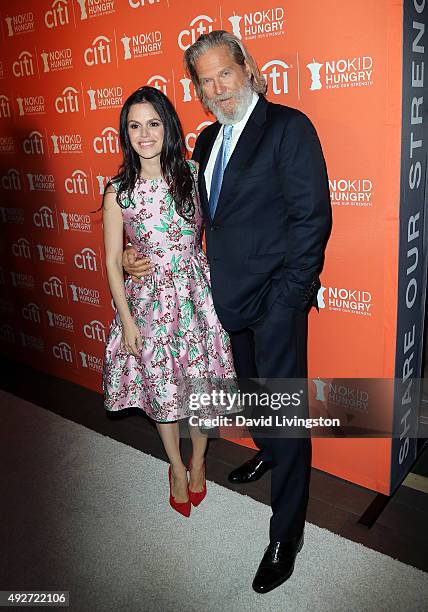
219,168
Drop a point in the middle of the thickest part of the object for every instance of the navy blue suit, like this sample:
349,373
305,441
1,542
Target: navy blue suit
265,246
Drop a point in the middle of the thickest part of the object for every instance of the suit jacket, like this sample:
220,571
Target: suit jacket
273,215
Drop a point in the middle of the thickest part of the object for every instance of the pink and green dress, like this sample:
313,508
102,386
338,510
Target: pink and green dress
184,346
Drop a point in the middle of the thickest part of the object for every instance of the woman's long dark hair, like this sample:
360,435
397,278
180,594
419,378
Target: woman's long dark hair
175,169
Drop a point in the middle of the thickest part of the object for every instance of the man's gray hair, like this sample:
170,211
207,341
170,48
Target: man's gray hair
221,38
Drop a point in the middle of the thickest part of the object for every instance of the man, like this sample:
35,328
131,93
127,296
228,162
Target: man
264,193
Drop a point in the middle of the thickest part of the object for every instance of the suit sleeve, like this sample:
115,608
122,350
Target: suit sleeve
196,155
304,184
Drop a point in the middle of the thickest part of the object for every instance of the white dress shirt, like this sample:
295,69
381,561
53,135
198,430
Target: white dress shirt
236,132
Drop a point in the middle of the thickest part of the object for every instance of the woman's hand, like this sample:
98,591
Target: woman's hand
136,268
131,338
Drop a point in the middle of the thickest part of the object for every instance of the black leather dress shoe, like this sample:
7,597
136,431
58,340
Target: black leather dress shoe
251,470
277,564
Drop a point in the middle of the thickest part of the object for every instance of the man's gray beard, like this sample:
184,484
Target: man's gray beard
243,98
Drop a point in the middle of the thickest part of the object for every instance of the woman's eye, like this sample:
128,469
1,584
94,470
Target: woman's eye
154,124
133,126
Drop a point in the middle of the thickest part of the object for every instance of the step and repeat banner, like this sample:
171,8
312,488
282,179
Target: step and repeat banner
67,67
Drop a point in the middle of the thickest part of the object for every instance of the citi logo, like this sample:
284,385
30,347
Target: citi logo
77,183
189,92
44,218
7,334
135,4
21,248
33,145
95,331
53,287
11,181
202,24
31,312
108,142
63,351
20,24
191,137
159,82
102,182
57,15
86,259
67,101
98,52
23,66
275,74
5,107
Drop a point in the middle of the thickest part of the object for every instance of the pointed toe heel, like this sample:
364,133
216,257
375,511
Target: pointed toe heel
196,497
180,507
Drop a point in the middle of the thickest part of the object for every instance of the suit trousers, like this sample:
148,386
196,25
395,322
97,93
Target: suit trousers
275,347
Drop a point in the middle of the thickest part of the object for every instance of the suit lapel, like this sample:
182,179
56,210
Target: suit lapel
202,166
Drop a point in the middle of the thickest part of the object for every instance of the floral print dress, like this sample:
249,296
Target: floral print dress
182,338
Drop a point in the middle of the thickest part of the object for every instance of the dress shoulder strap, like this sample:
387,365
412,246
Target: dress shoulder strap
115,184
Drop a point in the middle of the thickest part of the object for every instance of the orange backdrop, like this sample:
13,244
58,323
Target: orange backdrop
67,67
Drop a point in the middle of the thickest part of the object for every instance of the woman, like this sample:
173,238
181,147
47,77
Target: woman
166,332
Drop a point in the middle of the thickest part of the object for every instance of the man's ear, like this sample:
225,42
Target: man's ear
248,70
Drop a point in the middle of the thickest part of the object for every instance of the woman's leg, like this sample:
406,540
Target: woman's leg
170,437
197,473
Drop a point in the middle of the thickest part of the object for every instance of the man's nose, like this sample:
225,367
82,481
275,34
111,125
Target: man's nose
219,89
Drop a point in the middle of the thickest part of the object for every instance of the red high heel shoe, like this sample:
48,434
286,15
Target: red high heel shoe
196,497
181,507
